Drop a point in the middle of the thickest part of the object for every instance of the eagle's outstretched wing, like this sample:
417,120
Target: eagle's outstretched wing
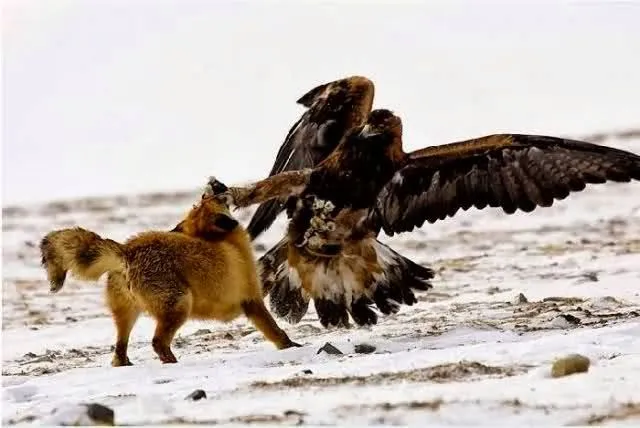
332,109
512,171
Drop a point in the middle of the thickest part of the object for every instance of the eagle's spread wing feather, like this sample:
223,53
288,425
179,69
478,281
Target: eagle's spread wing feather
332,109
511,171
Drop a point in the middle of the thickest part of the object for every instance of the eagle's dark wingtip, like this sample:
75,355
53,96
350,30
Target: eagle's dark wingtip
263,218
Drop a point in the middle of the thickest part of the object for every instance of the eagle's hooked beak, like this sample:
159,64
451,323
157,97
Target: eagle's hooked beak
369,131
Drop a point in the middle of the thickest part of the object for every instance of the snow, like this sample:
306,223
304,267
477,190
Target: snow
469,352
101,101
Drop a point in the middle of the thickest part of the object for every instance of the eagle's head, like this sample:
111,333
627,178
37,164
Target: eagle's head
382,122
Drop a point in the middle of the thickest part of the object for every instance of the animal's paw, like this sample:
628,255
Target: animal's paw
119,361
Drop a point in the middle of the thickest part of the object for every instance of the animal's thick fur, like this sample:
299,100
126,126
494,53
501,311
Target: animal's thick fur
208,271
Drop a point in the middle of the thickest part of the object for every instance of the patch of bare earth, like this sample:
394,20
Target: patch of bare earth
288,417
442,373
626,412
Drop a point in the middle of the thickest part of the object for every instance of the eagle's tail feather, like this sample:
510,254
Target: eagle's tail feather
388,291
287,299
401,277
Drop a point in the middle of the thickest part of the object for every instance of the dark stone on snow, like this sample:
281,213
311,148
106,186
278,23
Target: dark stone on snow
330,349
100,414
364,348
196,395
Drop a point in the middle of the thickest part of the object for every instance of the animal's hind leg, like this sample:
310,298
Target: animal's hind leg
125,314
263,321
170,318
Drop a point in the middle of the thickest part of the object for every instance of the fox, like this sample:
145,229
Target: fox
204,268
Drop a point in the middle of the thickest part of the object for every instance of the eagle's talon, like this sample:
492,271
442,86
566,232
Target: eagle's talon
217,187
328,207
226,198
315,223
318,205
315,241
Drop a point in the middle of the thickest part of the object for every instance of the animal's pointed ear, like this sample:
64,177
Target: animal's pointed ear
179,227
308,98
224,222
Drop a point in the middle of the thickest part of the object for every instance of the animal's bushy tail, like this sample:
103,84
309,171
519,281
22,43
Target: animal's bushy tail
82,252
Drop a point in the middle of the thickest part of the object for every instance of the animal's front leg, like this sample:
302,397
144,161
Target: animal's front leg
263,321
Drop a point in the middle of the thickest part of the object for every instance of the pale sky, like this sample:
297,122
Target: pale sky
112,97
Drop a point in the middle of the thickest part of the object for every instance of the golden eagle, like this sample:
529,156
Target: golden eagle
344,175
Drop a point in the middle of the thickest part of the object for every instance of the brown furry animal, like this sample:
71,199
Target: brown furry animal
208,271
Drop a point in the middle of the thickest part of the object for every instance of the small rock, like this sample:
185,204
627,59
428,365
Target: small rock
571,319
307,371
196,395
100,414
493,290
364,348
202,331
591,276
30,355
259,247
162,381
330,349
573,363
80,415
520,298
228,336
565,321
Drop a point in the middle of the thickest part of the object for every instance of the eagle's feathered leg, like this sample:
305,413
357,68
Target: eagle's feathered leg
279,186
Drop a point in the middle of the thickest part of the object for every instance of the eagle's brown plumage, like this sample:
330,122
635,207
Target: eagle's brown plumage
511,171
332,109
373,184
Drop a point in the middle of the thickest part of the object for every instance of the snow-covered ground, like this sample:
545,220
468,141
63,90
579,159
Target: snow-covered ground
103,99
470,352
